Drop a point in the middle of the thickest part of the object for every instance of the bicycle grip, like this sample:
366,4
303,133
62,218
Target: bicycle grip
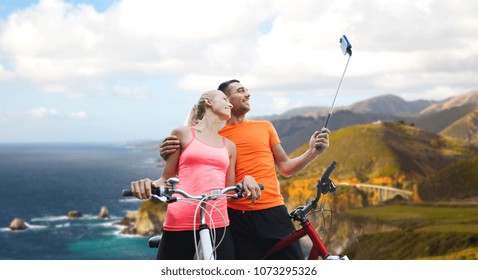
328,171
127,193
261,186
155,191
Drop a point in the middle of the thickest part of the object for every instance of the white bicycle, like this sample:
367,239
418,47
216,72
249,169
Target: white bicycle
205,248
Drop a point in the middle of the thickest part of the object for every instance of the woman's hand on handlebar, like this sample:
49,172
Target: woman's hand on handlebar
251,188
142,188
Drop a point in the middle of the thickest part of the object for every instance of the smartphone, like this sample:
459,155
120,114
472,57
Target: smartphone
345,45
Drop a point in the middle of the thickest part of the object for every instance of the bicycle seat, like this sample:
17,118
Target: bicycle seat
154,241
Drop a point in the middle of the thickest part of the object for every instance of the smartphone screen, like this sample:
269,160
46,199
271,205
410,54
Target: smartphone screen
345,45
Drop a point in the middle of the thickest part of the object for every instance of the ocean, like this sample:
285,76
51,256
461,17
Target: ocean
41,183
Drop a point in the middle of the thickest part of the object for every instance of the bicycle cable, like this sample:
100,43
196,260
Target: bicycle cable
197,203
212,229
332,212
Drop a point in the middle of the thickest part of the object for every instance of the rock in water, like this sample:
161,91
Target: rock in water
104,213
18,224
74,214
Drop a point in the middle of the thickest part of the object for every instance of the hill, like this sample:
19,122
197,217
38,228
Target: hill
296,125
389,104
437,121
391,153
466,128
457,181
467,98
297,130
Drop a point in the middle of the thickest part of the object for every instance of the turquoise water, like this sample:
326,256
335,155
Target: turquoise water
41,183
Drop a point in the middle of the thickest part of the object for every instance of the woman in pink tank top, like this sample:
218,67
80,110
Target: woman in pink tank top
205,161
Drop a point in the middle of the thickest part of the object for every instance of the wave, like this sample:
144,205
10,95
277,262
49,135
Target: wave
63,225
50,218
30,226
89,217
65,218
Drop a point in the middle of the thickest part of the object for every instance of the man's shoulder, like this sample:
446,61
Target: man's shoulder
259,122
246,124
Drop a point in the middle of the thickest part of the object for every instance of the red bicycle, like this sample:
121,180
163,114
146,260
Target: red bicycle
324,186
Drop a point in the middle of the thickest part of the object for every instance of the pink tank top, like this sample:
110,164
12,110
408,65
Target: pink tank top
201,168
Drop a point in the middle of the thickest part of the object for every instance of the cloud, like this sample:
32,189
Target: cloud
3,117
401,46
42,112
130,92
81,115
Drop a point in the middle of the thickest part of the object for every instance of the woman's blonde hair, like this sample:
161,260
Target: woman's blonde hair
199,109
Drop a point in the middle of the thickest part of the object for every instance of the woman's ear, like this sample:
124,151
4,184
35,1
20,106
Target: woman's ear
208,102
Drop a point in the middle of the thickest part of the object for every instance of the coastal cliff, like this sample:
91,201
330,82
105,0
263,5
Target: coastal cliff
147,221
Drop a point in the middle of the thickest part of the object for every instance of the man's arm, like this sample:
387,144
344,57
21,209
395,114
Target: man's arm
288,167
170,145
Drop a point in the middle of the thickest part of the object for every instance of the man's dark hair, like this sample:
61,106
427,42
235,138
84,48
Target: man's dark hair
222,87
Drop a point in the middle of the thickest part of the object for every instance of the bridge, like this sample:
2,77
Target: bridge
384,193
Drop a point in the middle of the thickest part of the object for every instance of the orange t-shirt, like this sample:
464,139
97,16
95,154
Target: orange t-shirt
254,141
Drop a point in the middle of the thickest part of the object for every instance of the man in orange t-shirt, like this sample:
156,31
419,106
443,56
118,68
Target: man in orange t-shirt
258,226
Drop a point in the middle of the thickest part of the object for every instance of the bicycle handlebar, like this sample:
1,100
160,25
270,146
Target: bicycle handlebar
324,186
328,172
163,191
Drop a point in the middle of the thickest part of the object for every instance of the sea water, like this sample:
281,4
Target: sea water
41,183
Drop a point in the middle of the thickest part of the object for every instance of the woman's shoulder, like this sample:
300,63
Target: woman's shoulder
229,143
231,147
181,131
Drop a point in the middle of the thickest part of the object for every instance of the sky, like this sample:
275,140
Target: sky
126,70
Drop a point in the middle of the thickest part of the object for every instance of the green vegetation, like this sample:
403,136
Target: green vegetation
465,128
423,214
409,245
397,151
436,168
456,181
423,232
467,254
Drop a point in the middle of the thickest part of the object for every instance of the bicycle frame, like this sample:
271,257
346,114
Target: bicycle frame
324,186
206,250
318,247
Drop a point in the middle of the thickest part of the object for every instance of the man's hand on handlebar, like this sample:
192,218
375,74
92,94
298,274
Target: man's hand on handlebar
142,188
251,188
170,145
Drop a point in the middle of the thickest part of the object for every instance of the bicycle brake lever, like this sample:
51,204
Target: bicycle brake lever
169,198
333,187
161,198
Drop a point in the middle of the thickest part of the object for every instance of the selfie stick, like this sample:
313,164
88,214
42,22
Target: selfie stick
346,49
